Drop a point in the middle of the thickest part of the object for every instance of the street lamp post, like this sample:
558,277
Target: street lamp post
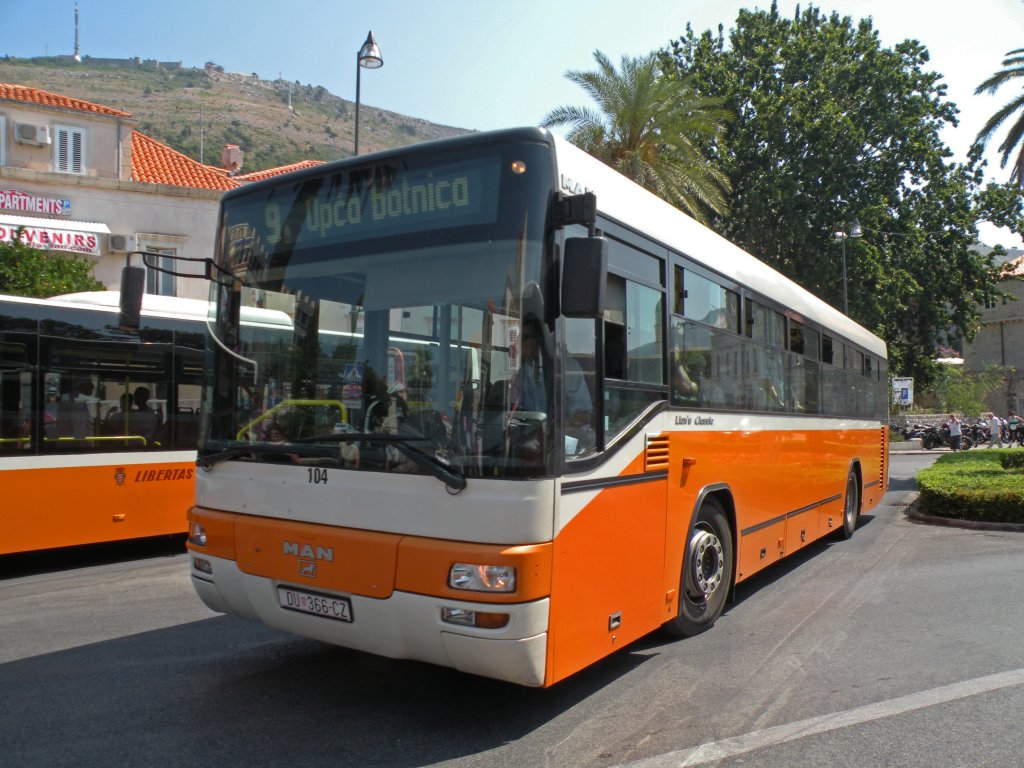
369,57
841,235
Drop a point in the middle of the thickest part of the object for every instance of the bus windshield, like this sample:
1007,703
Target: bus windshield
375,318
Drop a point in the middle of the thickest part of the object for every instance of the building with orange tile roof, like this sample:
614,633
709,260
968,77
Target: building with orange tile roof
156,163
78,176
271,172
28,95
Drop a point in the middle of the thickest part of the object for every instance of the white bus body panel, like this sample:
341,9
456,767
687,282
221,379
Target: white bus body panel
486,511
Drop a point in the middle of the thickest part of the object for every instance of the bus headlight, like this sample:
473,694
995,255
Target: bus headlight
482,578
197,534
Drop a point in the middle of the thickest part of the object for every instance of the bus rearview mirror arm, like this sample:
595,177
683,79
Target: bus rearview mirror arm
166,264
576,209
133,281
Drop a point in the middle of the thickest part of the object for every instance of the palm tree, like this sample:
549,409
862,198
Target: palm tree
1013,66
653,129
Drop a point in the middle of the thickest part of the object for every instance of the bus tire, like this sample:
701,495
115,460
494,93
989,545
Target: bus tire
851,504
706,574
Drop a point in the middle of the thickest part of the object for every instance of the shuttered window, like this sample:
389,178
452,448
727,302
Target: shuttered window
69,150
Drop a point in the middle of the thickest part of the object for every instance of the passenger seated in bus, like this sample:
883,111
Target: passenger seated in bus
116,420
684,388
74,418
710,393
50,413
771,398
143,420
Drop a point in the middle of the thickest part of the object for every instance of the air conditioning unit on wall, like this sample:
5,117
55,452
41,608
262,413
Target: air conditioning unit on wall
122,243
30,133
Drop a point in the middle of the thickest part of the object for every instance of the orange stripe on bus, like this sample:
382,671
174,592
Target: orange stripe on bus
365,563
68,506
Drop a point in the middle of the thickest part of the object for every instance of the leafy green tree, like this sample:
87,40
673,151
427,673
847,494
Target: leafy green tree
27,271
1003,205
1013,67
831,126
660,132
964,392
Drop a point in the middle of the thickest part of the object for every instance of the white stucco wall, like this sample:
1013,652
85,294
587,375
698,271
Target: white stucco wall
161,216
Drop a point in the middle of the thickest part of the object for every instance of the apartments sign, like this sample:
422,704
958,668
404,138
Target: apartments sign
13,200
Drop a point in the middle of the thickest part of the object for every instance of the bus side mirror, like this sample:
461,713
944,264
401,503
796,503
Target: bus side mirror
133,285
584,274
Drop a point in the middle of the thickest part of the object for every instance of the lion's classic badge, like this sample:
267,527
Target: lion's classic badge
119,475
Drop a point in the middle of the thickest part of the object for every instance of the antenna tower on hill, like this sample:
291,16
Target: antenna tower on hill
78,56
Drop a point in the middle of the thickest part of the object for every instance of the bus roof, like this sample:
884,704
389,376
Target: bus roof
630,204
156,306
169,306
626,202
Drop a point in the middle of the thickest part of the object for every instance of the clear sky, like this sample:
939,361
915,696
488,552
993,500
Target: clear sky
481,64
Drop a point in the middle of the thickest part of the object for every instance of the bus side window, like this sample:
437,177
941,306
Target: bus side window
15,412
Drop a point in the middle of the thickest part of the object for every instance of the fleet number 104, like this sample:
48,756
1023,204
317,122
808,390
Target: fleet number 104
317,475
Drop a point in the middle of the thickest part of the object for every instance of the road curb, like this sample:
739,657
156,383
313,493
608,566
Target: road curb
915,515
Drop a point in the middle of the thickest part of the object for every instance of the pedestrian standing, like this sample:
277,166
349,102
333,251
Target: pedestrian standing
954,432
994,430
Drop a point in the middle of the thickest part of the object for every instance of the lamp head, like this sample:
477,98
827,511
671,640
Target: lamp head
855,230
369,55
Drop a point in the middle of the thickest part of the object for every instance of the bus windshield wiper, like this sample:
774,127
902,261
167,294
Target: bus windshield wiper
278,449
432,464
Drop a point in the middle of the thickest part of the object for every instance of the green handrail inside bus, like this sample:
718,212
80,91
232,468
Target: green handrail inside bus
303,403
96,438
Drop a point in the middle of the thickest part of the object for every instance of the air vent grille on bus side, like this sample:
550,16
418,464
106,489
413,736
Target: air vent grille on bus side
881,459
656,455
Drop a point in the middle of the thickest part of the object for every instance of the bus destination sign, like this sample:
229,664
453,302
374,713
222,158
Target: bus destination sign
346,207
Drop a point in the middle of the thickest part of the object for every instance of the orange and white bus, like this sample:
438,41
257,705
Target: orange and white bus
608,417
98,426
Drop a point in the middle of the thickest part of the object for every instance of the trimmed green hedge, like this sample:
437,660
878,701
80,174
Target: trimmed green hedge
983,485
1012,459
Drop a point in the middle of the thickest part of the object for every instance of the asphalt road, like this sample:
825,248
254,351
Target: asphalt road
900,647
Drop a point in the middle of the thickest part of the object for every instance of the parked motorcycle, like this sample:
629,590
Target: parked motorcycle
912,431
938,437
979,432
930,437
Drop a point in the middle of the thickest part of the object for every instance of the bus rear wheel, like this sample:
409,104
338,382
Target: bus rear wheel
851,504
707,572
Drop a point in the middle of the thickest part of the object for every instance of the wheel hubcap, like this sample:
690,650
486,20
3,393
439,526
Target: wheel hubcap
707,562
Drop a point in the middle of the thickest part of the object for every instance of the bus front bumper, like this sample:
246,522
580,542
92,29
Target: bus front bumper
401,626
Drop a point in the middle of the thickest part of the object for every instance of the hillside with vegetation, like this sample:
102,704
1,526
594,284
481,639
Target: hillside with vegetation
198,111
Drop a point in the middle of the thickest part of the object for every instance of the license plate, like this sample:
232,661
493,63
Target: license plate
338,608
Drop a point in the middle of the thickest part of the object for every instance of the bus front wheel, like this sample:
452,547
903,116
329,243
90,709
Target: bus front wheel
707,572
